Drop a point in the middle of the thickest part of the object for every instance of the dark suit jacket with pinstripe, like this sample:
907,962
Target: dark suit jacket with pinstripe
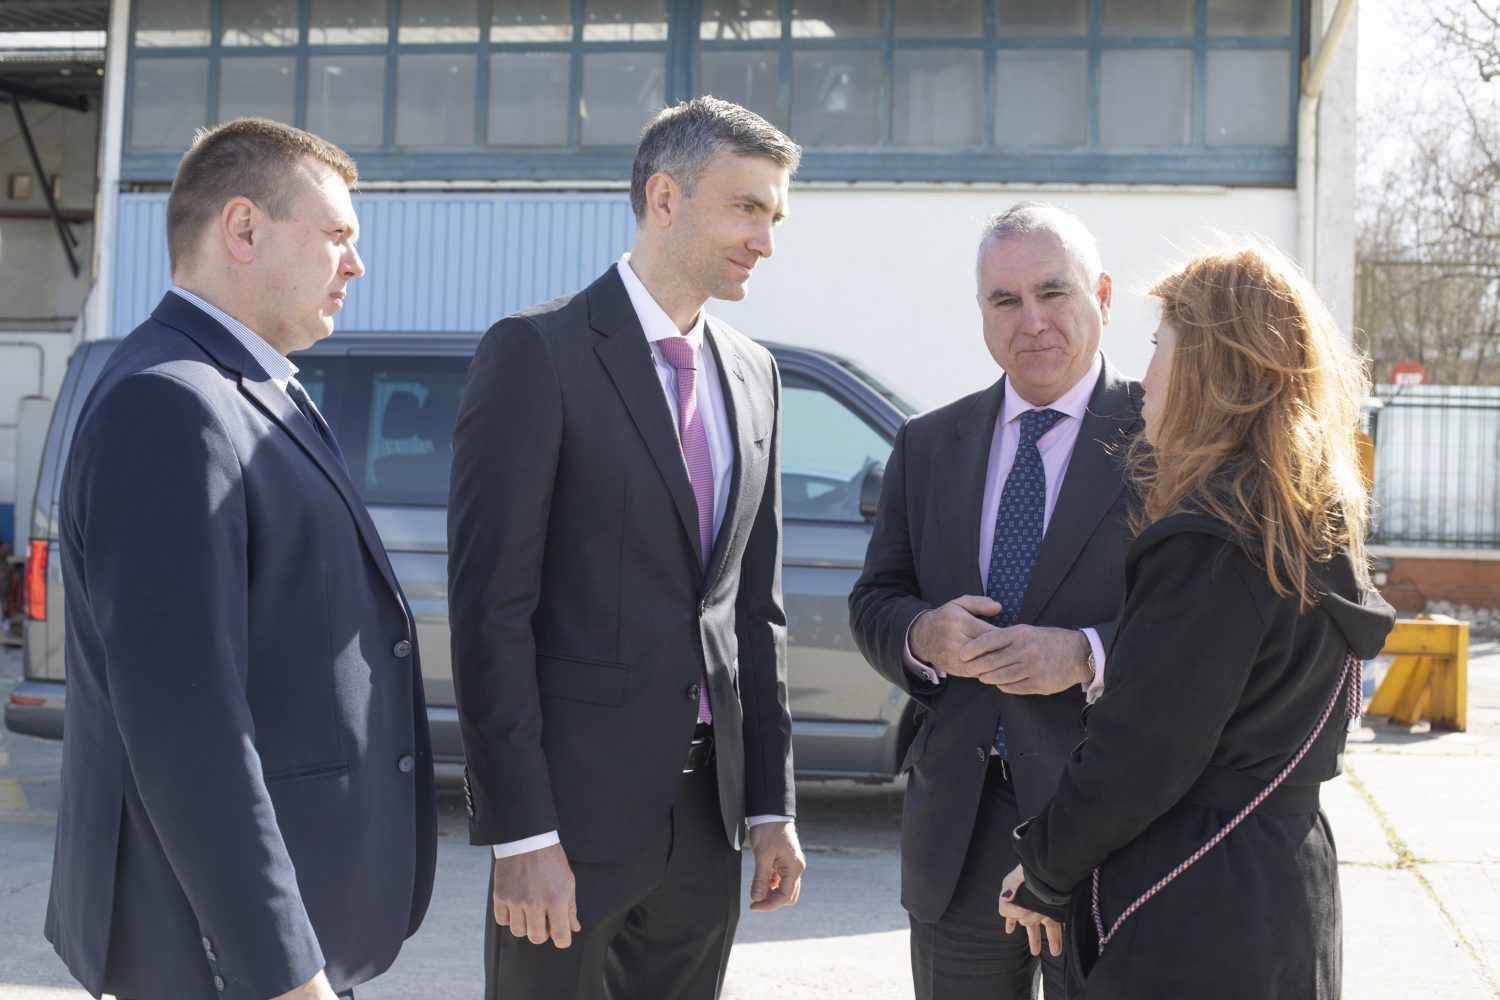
582,618
922,555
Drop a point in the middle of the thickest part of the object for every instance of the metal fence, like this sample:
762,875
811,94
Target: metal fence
1437,466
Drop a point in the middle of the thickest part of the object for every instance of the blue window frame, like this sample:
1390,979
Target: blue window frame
1143,91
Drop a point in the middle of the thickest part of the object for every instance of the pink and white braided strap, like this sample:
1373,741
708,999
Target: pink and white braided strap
1353,673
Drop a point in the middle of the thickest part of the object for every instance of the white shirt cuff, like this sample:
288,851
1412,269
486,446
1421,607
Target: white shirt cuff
1092,689
931,675
526,846
758,820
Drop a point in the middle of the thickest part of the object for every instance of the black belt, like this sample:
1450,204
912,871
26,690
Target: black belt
1230,791
701,750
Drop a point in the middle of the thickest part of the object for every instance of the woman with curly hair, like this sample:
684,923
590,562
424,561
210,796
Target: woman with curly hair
1184,849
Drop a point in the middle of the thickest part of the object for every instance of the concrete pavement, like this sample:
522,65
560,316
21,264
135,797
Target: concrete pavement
1417,818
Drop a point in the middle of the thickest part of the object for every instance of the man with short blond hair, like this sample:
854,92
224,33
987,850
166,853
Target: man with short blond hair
248,806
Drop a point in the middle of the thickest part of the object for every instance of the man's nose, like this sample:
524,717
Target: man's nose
354,265
764,242
1033,321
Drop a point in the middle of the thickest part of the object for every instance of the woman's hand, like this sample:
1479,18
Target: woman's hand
1034,922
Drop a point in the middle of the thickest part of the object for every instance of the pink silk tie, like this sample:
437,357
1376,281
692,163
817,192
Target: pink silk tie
682,354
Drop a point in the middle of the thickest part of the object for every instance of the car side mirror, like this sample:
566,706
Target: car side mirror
869,491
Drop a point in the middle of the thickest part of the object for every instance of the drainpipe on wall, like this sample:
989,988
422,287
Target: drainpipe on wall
97,307
1315,74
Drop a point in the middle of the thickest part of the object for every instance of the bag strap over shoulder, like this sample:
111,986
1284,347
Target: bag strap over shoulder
1353,675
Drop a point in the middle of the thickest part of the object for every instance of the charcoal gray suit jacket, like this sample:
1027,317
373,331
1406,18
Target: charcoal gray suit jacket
922,555
583,621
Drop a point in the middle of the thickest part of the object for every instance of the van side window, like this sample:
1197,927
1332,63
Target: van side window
397,426
826,451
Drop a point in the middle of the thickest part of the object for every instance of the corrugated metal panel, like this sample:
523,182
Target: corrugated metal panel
437,262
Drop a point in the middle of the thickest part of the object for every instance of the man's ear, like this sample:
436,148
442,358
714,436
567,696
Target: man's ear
1106,293
662,198
239,221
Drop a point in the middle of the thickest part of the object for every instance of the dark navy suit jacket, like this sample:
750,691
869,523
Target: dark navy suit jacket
247,791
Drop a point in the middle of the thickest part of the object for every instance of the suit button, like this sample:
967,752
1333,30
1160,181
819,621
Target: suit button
406,763
208,945
402,649
703,607
210,956
692,692
219,983
982,753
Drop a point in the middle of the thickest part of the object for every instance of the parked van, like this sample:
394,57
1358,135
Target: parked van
391,399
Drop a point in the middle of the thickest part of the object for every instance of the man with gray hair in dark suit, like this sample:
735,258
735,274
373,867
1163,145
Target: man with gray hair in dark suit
989,589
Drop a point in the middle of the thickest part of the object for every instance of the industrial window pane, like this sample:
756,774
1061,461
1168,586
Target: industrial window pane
1148,17
1029,18
167,102
1041,98
161,23
624,20
528,99
435,99
345,95
837,19
760,19
257,86
749,79
1235,17
947,18
531,21
620,91
836,98
255,22
1146,97
938,96
1249,98
347,22
439,21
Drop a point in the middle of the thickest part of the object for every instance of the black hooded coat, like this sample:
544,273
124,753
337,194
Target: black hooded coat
1212,684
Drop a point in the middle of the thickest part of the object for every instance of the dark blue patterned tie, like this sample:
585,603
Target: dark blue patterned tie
1018,527
305,404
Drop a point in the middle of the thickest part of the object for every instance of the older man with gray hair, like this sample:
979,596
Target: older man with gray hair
989,588
615,592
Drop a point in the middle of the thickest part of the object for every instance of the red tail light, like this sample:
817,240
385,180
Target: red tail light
36,581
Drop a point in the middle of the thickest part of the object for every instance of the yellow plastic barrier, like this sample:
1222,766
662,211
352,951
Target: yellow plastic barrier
1430,675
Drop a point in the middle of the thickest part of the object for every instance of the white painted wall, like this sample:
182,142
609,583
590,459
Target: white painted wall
885,274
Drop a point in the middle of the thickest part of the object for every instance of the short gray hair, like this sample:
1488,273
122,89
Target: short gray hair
1027,217
679,142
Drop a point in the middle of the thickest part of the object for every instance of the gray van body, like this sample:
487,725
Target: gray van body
848,721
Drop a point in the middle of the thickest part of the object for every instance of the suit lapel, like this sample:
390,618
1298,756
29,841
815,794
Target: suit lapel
627,357
1089,490
963,502
738,407
230,354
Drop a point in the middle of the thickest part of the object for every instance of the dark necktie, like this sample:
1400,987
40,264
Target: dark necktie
1018,527
682,354
305,404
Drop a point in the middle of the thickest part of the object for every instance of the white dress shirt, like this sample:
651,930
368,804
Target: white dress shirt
659,326
276,364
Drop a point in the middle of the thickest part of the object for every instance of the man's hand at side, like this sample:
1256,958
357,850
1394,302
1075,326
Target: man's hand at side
1029,659
534,896
316,988
938,637
778,866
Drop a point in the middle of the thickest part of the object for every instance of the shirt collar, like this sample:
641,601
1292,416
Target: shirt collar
1073,403
654,319
276,364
